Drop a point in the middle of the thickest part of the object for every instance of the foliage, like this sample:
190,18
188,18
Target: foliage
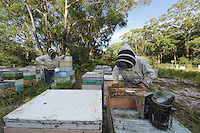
196,61
181,74
61,24
152,60
11,54
65,85
168,37
184,61
79,54
83,68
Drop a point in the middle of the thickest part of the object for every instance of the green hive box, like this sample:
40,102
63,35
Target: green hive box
30,77
91,82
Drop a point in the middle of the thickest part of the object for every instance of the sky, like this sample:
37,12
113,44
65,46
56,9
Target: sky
138,17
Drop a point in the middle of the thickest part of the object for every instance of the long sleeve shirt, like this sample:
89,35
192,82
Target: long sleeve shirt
141,72
49,64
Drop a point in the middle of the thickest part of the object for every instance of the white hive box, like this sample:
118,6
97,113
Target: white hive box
108,81
92,76
59,110
66,62
91,87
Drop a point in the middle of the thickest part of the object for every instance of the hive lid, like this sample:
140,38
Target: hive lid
59,106
110,77
92,76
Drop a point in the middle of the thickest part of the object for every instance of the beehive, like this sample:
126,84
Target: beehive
107,82
64,76
99,69
61,110
66,62
12,75
65,72
92,81
16,77
29,77
10,86
107,68
122,97
65,68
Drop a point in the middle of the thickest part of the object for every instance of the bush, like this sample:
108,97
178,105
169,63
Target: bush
152,61
182,74
65,85
184,61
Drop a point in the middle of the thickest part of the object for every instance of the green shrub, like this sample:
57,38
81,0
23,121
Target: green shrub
184,61
65,85
181,74
152,60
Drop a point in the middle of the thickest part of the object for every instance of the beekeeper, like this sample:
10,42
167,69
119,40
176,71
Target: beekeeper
135,70
50,62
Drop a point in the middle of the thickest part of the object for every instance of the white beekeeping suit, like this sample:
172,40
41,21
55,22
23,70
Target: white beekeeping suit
135,70
49,61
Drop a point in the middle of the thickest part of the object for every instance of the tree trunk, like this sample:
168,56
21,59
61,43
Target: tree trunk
34,29
187,51
46,25
161,56
90,54
136,47
175,57
65,27
158,58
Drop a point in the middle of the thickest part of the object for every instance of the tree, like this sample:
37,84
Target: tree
67,23
135,38
184,17
163,37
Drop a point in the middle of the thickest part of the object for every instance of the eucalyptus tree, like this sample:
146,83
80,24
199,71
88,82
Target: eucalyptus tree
195,45
88,24
97,22
112,51
135,38
183,17
154,35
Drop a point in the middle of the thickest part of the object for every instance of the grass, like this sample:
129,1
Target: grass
188,117
12,100
180,74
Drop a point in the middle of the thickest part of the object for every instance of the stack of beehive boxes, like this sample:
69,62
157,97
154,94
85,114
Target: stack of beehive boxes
92,81
21,76
1,72
9,86
29,76
65,72
58,111
107,69
38,74
99,68
14,75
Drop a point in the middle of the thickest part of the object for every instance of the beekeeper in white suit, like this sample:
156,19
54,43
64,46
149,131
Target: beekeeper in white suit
50,62
135,70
